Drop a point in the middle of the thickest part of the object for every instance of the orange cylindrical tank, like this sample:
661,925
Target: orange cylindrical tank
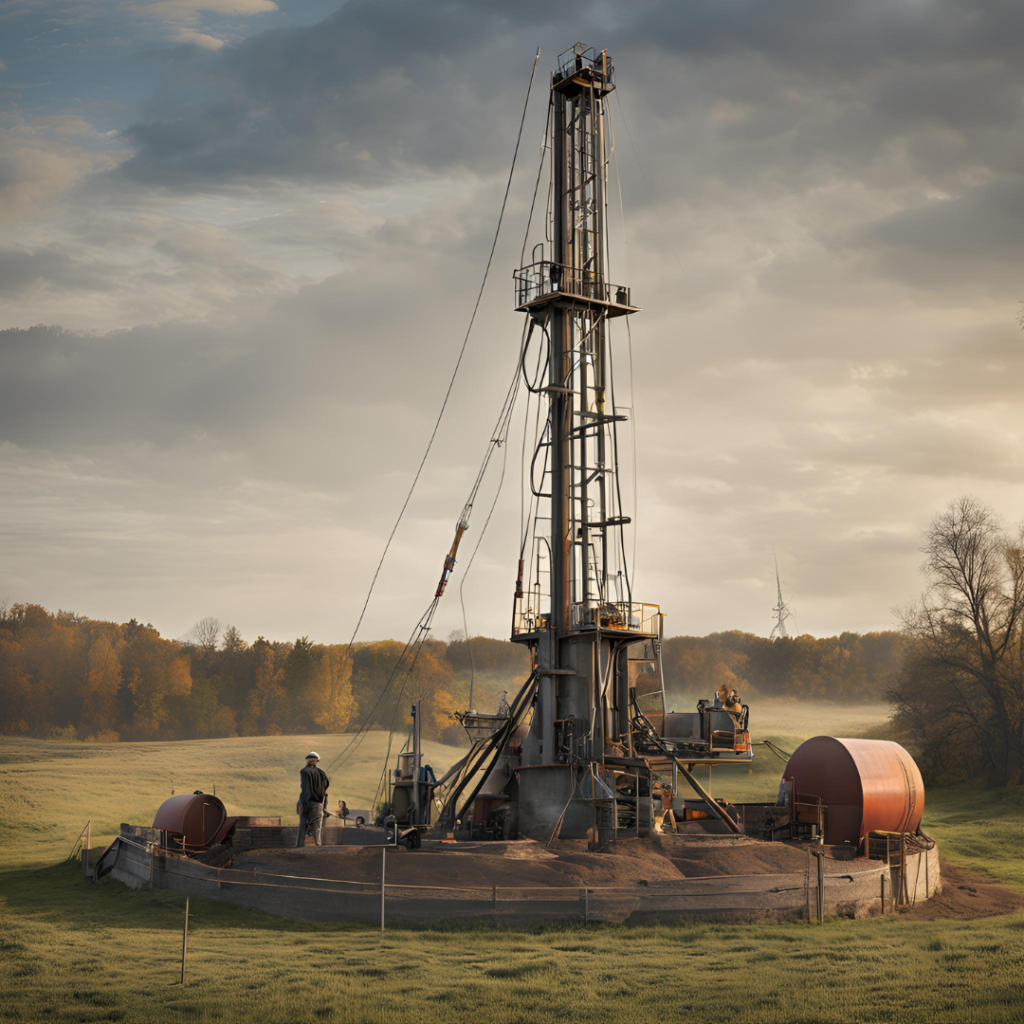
198,818
866,786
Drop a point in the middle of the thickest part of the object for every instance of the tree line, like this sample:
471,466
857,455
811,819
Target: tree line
850,668
67,676
953,674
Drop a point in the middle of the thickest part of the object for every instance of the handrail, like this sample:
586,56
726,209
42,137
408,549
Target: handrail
545,278
78,839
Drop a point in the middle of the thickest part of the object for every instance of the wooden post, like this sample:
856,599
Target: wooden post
586,905
882,880
807,885
184,942
821,888
904,894
383,866
494,899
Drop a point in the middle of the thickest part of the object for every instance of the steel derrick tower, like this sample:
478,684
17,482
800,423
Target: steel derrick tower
574,604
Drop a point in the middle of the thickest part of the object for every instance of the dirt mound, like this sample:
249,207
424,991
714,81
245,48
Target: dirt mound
738,855
627,862
421,867
965,895
525,863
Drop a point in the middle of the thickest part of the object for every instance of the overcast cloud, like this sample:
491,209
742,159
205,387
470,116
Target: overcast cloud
254,232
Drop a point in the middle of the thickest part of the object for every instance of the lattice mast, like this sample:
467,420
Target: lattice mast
574,607
781,610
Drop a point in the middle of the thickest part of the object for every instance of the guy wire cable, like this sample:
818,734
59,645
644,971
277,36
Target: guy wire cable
629,329
424,631
536,184
455,372
353,745
458,361
503,443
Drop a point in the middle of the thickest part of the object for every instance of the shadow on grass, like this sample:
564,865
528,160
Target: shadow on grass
58,892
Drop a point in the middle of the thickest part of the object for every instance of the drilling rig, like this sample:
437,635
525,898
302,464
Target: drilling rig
579,751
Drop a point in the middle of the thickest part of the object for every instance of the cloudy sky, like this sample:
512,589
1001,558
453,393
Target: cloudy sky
242,240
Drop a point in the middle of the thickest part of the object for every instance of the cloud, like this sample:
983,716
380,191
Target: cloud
38,161
186,19
200,39
21,269
189,11
974,239
262,304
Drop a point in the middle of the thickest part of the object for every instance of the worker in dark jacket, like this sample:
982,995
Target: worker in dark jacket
313,800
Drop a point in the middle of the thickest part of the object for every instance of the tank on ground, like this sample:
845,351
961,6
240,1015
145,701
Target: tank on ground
865,786
193,820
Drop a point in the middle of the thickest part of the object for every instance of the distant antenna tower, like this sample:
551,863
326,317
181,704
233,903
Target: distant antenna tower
781,610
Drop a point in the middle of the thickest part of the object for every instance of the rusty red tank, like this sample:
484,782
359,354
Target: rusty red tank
867,786
198,820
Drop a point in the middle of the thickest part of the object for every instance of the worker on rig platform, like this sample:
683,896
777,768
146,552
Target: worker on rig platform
728,699
312,800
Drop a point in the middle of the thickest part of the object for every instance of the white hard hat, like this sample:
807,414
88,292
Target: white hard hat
313,754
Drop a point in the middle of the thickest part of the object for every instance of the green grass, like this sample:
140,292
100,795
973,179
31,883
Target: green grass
983,831
49,789
73,951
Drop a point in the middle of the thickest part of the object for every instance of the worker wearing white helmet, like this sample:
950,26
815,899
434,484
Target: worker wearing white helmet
313,800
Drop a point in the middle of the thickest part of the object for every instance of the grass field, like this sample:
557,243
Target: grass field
70,951
48,789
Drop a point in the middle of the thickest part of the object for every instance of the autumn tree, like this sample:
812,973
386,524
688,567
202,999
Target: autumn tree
204,635
267,705
232,642
439,718
158,675
100,685
959,701
17,716
300,665
329,693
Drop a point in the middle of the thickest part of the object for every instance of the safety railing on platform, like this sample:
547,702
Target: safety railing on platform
632,616
546,279
585,58
527,617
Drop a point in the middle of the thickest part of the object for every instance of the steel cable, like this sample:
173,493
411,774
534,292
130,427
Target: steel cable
458,361
451,384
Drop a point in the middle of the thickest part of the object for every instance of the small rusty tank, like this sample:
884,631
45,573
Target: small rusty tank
193,821
866,786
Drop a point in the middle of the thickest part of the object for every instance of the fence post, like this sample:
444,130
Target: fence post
184,942
807,885
494,899
821,888
383,867
881,878
586,905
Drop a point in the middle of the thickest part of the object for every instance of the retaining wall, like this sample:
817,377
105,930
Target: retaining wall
852,888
